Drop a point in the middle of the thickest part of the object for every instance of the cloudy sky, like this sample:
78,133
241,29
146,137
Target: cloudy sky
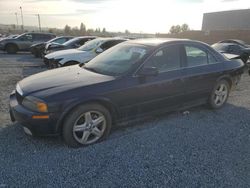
115,15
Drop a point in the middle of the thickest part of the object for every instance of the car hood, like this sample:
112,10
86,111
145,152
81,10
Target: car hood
7,40
62,79
63,53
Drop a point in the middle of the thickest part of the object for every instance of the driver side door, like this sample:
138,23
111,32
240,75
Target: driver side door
160,92
25,42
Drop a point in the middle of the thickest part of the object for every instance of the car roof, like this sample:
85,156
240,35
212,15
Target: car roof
40,33
83,37
156,41
232,40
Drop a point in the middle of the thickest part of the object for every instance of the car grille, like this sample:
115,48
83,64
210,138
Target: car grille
19,98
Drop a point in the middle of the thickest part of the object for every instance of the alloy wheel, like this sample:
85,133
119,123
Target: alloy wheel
220,94
89,127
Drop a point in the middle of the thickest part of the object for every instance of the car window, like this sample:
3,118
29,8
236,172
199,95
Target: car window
41,37
109,44
83,41
195,56
234,48
166,59
60,40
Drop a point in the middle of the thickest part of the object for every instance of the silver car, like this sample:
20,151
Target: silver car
24,41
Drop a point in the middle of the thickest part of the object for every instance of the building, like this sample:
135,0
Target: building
227,20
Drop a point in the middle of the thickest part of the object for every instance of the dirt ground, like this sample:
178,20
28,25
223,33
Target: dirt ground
12,69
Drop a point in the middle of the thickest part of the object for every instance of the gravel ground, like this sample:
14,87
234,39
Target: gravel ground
202,149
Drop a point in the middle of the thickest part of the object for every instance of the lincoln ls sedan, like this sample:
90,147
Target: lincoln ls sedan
133,79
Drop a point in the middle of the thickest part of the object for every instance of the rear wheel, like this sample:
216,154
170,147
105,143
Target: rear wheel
11,48
86,125
219,94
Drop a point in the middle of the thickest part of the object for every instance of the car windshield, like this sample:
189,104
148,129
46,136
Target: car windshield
117,60
91,45
70,42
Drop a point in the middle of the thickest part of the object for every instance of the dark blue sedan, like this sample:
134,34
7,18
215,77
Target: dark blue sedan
133,79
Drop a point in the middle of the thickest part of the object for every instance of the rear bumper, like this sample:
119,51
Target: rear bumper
38,127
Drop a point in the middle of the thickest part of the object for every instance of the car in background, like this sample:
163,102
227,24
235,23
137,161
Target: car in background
235,41
24,41
83,54
38,49
233,48
133,79
71,44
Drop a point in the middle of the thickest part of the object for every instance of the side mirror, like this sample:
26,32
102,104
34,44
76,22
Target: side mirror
148,71
99,50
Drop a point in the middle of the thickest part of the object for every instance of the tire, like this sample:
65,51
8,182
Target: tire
219,95
80,129
36,54
11,49
70,63
245,57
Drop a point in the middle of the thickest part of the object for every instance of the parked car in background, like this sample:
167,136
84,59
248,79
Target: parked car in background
38,49
233,48
71,44
235,41
133,79
24,41
81,55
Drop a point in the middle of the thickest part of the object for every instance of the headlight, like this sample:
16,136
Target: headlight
34,104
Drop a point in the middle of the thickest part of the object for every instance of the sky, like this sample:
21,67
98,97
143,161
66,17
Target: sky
142,16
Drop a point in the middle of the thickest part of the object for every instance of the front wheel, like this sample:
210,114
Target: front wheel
87,124
219,94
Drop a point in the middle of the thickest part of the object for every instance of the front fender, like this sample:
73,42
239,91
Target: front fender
70,105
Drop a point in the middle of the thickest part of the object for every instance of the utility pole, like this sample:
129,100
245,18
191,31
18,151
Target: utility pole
16,20
22,18
39,22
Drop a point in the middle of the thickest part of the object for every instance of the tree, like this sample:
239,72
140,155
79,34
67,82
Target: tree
104,30
175,29
127,32
67,29
82,29
184,27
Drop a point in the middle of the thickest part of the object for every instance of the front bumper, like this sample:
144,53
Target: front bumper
38,127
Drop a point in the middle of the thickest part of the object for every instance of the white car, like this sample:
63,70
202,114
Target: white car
83,54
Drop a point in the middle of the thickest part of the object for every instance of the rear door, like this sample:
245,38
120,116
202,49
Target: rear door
201,72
